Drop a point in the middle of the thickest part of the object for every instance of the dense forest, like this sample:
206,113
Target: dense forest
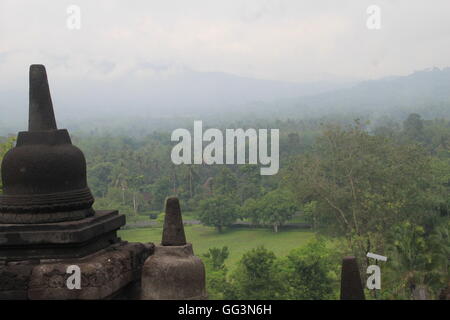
358,186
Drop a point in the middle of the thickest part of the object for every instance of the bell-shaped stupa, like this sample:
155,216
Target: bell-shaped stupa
46,205
44,176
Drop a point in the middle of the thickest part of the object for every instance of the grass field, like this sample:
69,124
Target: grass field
238,241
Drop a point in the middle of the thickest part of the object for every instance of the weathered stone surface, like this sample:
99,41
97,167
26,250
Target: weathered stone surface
14,279
351,285
173,232
173,273
104,275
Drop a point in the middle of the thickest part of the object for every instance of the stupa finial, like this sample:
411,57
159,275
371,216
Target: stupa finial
351,285
173,231
41,115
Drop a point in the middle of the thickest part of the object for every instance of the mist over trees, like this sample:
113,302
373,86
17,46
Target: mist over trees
174,102
364,186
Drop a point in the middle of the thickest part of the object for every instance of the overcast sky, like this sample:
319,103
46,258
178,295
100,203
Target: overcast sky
290,40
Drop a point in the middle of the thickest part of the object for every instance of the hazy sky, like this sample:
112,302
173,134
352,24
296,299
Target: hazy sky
291,40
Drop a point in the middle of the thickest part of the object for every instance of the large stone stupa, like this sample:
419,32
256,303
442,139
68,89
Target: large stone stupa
47,222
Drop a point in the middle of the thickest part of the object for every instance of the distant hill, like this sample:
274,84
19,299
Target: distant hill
426,92
162,98
154,94
184,94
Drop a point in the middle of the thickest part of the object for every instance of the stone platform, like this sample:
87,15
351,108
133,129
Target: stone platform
68,239
111,273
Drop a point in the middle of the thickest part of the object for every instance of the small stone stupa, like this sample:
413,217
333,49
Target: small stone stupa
173,272
46,218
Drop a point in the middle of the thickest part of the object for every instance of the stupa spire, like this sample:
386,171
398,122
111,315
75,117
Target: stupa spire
41,115
173,231
351,285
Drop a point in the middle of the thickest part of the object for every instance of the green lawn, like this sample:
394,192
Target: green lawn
238,240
